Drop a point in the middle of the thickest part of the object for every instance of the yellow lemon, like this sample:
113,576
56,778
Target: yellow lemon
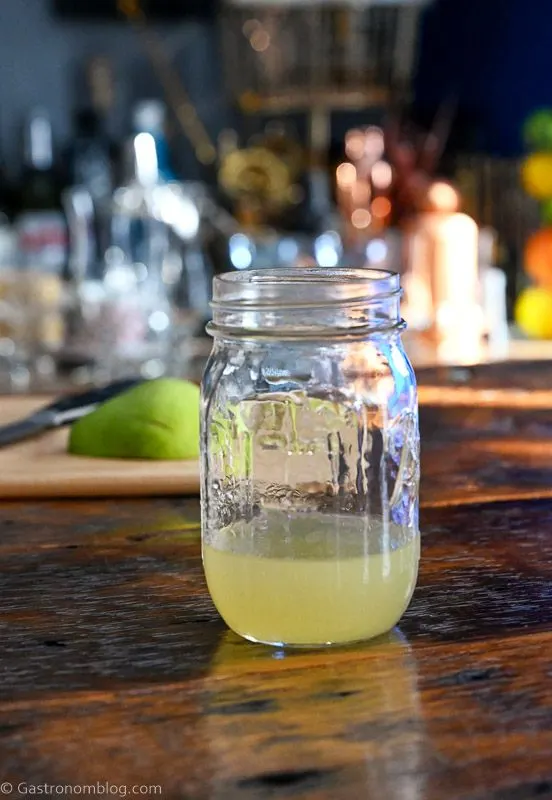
536,175
533,312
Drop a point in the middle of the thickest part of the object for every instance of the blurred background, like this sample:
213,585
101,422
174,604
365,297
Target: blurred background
147,145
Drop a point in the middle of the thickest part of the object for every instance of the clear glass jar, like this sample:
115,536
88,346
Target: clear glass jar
310,463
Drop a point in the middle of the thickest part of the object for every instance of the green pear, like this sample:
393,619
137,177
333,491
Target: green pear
157,419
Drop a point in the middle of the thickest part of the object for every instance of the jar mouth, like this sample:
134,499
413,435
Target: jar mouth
305,302
302,287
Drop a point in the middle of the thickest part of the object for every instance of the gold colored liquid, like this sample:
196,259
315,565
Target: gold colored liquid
329,589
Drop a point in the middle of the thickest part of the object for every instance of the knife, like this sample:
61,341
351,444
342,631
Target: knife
63,411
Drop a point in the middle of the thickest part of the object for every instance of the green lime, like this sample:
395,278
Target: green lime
155,420
537,130
546,212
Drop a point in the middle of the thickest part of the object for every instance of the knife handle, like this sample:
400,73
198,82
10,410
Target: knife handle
93,396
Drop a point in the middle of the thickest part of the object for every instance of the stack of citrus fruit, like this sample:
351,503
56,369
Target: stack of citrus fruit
533,311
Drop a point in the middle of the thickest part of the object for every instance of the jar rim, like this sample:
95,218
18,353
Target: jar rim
302,286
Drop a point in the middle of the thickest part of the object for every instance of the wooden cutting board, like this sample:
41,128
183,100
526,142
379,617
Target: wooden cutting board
41,467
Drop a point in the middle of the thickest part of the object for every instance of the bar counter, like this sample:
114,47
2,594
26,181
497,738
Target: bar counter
116,669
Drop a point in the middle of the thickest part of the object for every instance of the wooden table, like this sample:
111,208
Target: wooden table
115,667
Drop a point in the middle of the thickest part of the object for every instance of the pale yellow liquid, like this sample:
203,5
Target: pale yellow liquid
333,590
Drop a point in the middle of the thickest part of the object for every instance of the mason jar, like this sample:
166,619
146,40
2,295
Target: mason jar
310,456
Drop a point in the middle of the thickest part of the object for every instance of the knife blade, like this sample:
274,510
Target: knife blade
63,411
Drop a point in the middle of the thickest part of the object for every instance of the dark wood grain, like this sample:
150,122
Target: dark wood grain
485,454
130,604
115,667
528,375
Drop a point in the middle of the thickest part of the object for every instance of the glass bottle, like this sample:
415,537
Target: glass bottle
149,117
42,246
40,223
89,156
310,456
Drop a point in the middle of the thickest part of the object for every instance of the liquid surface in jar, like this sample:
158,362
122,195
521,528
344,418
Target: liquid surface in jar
311,578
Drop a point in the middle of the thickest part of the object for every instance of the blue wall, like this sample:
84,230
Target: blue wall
495,56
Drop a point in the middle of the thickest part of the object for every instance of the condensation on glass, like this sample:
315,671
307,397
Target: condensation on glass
310,456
